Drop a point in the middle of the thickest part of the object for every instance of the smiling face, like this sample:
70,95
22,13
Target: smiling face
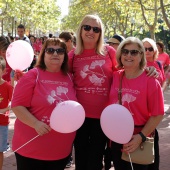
90,37
53,61
131,59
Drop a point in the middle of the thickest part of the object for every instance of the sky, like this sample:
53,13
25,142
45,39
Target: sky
64,6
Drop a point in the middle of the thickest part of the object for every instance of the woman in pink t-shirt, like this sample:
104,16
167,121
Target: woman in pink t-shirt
141,95
151,53
35,96
92,64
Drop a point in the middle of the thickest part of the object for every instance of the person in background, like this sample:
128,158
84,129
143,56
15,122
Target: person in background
151,53
5,98
11,38
21,33
4,43
141,95
49,83
115,41
68,38
50,35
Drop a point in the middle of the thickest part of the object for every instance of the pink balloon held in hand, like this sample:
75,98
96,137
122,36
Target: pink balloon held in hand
117,123
67,117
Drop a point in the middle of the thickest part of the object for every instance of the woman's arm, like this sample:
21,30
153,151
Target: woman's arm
27,118
149,127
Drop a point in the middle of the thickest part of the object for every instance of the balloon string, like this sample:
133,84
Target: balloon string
26,143
130,161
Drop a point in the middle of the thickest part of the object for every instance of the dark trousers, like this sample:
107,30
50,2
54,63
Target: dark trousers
119,164
24,163
155,165
89,145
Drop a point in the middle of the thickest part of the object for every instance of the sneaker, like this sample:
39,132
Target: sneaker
8,148
68,165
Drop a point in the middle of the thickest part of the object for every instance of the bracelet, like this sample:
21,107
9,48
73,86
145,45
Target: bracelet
142,136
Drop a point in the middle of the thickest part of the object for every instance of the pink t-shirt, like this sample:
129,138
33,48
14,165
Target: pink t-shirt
92,79
164,59
142,96
161,76
40,91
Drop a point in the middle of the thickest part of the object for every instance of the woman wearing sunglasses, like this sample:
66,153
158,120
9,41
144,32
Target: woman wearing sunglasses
92,65
151,53
36,95
141,95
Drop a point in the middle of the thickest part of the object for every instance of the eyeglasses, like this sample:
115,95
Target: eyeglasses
59,51
149,49
88,28
133,53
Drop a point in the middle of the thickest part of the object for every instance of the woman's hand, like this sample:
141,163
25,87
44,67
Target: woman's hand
42,128
151,71
133,144
18,74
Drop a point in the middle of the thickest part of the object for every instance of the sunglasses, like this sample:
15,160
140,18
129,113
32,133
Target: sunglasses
88,28
133,53
149,49
59,51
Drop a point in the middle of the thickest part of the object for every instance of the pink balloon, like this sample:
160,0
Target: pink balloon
117,123
19,55
67,117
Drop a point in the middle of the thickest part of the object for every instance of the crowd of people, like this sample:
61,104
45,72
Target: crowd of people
85,69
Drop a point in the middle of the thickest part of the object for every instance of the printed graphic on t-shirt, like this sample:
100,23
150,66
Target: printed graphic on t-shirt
55,95
95,78
128,97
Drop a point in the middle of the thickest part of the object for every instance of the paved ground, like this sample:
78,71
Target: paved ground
164,134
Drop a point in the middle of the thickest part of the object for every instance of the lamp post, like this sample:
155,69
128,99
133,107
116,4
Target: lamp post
132,24
15,21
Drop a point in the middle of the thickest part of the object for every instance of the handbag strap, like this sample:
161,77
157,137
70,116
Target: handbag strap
120,89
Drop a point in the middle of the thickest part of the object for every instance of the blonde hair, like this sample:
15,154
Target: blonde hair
79,42
131,40
153,44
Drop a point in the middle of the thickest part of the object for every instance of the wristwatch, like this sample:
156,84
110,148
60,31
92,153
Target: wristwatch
142,136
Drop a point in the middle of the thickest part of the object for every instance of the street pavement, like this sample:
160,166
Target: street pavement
164,140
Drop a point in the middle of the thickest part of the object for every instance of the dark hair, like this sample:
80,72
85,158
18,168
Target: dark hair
67,36
53,41
21,26
4,43
2,63
50,35
160,43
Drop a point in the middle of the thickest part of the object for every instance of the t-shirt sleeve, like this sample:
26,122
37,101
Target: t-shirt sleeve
24,89
155,98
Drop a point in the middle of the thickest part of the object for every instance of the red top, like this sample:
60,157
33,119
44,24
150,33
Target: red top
164,59
5,97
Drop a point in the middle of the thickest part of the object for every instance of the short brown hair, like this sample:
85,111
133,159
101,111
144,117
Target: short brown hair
2,63
53,41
